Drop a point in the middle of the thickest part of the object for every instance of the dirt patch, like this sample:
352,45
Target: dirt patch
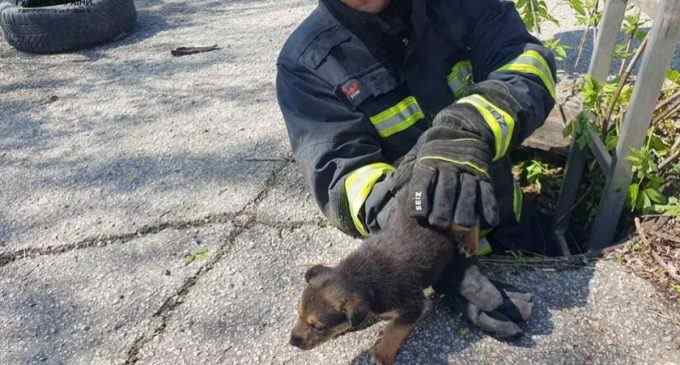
655,254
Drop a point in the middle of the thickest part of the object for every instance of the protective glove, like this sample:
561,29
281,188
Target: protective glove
379,205
494,310
492,306
450,182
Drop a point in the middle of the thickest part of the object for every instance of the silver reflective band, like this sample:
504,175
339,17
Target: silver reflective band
499,121
398,117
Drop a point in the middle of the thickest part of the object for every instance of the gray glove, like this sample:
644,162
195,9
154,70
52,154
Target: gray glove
494,307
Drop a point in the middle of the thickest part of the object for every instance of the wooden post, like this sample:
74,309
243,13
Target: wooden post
601,62
600,65
656,61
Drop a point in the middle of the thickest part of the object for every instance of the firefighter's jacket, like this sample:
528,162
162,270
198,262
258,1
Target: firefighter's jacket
357,90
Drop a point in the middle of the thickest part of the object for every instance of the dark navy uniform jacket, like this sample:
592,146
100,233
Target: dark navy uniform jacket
357,90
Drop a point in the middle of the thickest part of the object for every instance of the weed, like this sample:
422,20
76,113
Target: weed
199,254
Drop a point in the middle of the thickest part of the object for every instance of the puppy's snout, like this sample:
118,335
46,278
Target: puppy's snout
296,341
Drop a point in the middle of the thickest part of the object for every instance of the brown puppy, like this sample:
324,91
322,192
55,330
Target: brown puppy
386,276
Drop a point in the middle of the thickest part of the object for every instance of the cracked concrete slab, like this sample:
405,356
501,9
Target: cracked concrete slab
241,312
87,306
106,140
289,201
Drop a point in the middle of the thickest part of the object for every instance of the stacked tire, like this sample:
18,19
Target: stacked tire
52,26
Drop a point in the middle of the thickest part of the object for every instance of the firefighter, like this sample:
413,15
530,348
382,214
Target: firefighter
426,95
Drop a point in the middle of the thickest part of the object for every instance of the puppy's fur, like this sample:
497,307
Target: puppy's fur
385,276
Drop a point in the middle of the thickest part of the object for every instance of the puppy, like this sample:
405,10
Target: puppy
385,276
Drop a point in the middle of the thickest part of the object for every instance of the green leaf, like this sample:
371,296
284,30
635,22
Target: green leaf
674,76
640,35
658,145
611,141
635,158
633,192
620,52
197,255
559,49
644,202
533,13
580,132
655,181
672,208
655,196
591,93
577,6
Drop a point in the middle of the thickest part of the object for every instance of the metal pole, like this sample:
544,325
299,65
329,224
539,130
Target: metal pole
657,59
600,65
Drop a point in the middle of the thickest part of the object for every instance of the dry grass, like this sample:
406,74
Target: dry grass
655,254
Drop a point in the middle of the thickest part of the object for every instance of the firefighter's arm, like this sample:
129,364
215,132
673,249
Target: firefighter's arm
337,150
515,75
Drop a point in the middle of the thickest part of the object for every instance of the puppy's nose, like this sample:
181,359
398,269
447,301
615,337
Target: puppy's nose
296,340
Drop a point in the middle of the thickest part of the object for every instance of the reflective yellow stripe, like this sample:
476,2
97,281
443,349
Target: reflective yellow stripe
469,164
484,248
531,62
358,185
460,77
398,117
517,201
501,123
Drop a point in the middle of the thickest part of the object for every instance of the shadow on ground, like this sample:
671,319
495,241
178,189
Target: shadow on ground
446,335
572,39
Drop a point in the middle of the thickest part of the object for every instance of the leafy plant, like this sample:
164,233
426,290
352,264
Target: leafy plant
579,129
645,191
533,13
593,97
632,24
672,208
673,76
586,12
539,173
559,49
622,52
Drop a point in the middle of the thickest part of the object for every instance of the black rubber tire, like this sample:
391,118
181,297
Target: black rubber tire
41,3
66,27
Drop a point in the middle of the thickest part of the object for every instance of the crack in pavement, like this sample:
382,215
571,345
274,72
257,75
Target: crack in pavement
163,313
242,220
102,241
7,258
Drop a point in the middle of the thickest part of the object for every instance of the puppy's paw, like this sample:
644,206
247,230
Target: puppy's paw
382,354
382,359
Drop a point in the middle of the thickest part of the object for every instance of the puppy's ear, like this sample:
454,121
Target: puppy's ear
315,270
356,309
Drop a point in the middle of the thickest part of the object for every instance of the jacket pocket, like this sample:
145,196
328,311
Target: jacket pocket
374,83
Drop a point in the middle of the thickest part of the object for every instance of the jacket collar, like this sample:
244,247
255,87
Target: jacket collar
382,33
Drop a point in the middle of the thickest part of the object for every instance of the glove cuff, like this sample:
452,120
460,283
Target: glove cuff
489,111
465,119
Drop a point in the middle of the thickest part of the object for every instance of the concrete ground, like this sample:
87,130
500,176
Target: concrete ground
151,214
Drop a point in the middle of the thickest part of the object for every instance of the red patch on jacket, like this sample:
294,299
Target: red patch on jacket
351,89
